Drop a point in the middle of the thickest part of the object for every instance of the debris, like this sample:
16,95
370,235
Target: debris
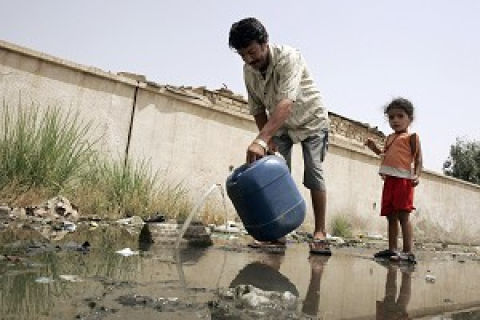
430,278
135,220
145,235
337,240
374,236
69,226
70,278
127,252
13,258
45,280
228,227
156,219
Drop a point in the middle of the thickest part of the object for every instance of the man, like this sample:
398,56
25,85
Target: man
288,109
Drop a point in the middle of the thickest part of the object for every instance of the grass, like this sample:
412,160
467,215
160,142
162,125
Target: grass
42,150
341,227
46,153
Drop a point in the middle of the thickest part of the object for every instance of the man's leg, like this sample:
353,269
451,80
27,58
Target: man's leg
284,145
319,204
314,150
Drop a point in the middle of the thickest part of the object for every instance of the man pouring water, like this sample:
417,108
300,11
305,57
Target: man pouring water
288,109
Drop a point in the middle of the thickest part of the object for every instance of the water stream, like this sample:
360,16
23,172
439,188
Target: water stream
197,206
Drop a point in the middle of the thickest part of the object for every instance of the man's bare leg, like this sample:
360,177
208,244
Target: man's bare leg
319,245
319,204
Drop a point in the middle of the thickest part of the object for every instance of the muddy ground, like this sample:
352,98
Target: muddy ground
112,270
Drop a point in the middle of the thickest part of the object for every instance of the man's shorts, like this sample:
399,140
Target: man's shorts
397,195
314,150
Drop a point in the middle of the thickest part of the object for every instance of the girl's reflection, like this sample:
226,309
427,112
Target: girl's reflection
393,307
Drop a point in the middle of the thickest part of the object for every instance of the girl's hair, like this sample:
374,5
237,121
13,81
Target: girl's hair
401,103
245,31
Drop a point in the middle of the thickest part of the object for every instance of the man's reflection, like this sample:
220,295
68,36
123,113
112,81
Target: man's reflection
265,275
312,298
393,307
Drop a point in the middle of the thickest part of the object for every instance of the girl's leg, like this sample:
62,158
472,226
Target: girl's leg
407,231
393,230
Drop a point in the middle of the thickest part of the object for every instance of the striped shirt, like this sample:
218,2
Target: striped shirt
287,77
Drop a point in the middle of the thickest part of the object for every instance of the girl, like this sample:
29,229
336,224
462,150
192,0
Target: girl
400,168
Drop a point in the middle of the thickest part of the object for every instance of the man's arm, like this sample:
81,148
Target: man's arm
261,119
268,127
276,120
291,67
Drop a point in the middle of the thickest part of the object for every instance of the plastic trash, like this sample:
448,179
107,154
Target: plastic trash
44,280
70,278
127,252
69,226
229,227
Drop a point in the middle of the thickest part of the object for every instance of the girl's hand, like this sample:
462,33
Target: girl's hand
370,143
415,181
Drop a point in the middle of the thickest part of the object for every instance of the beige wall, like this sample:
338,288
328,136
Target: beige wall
195,136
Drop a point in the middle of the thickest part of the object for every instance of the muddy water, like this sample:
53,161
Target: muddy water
160,282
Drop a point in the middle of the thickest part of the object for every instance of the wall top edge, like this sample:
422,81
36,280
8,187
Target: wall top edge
200,93
71,65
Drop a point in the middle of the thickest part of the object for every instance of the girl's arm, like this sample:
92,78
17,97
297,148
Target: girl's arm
417,165
373,146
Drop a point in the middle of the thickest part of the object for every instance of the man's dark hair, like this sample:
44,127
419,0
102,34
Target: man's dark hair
403,104
245,31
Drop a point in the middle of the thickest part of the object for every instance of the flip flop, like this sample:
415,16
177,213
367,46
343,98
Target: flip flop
320,247
385,254
268,245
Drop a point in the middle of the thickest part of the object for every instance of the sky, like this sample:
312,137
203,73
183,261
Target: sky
361,54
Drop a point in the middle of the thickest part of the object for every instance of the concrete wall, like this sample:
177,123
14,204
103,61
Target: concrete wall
196,136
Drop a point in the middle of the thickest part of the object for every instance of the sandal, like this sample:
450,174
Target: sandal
320,247
268,245
385,254
407,257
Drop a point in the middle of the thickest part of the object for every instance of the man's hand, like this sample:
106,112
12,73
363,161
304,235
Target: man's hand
255,152
272,147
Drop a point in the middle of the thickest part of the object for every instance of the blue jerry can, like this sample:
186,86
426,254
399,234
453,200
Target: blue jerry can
266,198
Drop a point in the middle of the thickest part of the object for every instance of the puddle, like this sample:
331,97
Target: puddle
229,281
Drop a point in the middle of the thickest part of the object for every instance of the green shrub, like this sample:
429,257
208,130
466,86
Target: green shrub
42,150
341,227
119,189
46,152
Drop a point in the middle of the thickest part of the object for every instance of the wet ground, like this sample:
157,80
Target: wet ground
85,277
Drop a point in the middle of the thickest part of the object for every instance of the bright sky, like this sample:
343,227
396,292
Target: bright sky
361,53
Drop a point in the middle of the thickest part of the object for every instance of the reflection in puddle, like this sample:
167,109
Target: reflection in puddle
265,275
162,282
393,306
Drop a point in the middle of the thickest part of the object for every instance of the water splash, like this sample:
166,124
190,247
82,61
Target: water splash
197,206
